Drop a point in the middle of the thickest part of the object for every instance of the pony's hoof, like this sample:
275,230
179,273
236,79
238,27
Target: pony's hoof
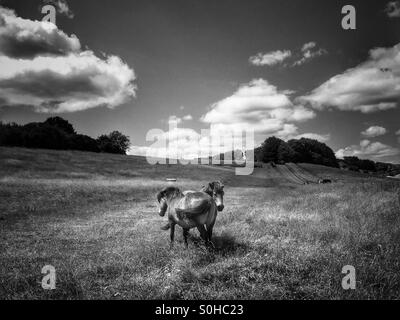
166,227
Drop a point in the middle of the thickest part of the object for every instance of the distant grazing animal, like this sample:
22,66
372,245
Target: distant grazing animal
195,209
324,181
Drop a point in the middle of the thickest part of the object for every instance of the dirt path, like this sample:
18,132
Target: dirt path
289,175
302,174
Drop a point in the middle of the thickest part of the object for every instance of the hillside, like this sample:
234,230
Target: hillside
94,217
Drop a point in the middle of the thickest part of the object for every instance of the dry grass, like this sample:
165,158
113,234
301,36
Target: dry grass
94,218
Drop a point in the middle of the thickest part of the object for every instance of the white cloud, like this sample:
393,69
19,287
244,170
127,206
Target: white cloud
23,38
372,86
44,68
260,106
393,9
174,120
270,58
309,52
66,84
177,120
368,150
374,131
308,46
315,136
256,105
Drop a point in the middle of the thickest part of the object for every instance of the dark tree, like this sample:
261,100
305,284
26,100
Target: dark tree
269,149
276,150
313,151
286,153
57,133
61,124
356,164
40,135
83,143
115,142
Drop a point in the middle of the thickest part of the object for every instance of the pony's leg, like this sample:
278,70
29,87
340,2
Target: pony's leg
209,232
209,235
172,234
210,227
185,236
203,232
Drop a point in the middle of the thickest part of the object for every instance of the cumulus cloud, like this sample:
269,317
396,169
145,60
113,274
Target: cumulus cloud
270,58
26,39
61,6
393,9
309,51
308,46
372,86
368,150
315,136
44,68
65,84
256,105
260,106
374,131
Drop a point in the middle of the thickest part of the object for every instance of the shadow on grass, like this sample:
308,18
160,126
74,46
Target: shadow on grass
224,245
227,245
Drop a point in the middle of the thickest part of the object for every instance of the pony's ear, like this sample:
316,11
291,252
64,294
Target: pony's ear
208,189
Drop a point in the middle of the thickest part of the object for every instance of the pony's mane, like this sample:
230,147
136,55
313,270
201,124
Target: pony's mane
172,192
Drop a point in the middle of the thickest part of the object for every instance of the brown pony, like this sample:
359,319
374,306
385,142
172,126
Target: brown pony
213,189
190,210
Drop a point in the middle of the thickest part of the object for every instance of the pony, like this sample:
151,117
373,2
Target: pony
195,209
215,189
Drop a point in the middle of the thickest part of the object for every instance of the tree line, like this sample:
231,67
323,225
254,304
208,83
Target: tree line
301,150
369,166
313,151
57,133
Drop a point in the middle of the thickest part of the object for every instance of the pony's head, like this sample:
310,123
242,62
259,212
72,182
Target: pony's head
216,190
164,197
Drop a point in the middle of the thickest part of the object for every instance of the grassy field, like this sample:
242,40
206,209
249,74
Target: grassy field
94,218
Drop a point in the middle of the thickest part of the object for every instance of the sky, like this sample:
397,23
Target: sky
281,68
